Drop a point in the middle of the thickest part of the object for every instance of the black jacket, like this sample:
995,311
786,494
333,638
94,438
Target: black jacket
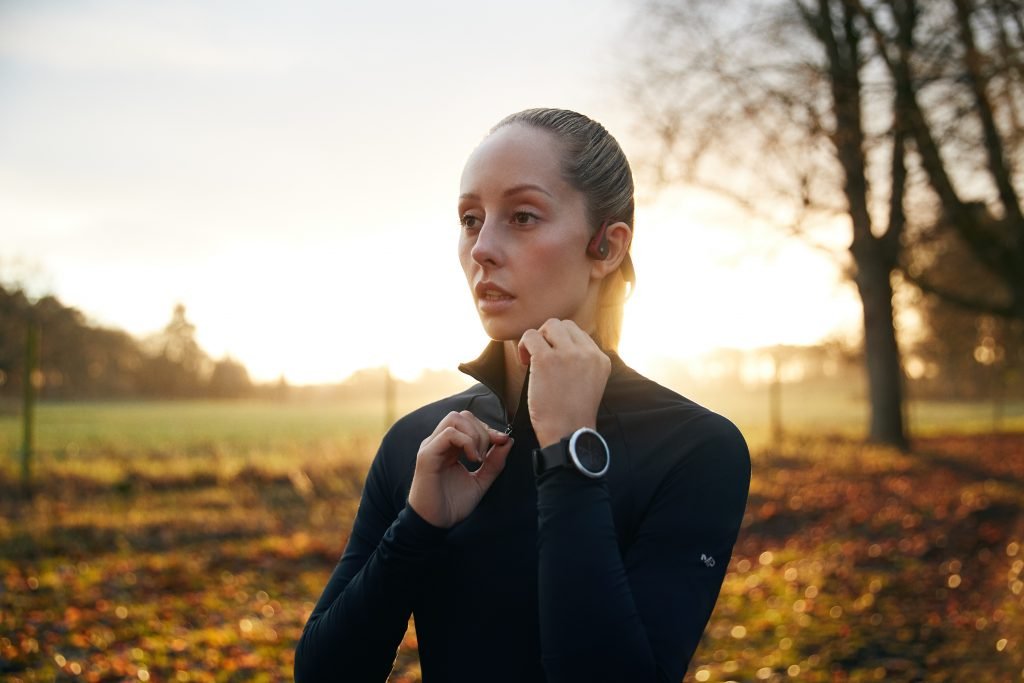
565,578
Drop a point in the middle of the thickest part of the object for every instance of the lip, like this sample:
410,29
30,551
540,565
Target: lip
487,305
483,287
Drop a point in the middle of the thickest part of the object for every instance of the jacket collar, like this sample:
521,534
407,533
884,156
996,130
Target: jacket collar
489,369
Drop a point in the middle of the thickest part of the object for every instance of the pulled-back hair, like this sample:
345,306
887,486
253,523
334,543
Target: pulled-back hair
594,164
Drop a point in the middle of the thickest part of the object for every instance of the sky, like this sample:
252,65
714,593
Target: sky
289,172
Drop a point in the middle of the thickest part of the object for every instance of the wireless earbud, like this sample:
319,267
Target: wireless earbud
597,248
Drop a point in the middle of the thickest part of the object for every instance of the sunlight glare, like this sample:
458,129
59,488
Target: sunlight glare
740,285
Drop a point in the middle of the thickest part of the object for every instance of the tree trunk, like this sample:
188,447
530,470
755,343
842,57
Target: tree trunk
885,374
876,257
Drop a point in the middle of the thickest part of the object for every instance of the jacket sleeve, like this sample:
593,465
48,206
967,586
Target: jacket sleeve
638,616
355,629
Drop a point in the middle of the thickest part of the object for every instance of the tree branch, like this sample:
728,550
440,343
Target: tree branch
968,303
1001,173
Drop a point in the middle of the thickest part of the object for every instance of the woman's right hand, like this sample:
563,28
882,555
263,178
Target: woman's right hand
443,491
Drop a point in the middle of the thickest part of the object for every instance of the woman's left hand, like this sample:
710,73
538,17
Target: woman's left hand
568,374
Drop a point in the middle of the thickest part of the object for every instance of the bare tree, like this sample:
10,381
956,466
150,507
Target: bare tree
870,115
956,67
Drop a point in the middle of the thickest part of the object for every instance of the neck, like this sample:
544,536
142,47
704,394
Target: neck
515,375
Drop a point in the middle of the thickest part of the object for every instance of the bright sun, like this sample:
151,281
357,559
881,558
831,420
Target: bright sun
702,283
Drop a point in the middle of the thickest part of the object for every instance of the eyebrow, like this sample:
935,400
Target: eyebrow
525,187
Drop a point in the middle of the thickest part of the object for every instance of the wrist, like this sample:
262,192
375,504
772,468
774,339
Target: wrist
548,436
430,523
428,513
584,451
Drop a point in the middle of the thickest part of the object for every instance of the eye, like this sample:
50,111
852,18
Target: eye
524,218
469,221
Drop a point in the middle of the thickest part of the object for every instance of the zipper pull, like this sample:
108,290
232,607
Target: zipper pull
508,429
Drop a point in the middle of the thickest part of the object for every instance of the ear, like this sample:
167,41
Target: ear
619,236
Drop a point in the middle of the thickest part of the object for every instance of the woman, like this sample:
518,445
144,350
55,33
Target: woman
565,519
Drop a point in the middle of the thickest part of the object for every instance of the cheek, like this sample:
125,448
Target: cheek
560,260
465,259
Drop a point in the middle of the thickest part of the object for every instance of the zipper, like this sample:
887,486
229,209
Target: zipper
510,422
522,403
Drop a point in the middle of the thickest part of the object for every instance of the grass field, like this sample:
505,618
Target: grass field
188,542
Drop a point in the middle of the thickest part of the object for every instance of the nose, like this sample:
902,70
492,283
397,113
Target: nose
487,249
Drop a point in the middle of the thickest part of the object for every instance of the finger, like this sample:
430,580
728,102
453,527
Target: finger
465,422
497,436
530,344
452,438
578,335
493,464
481,434
476,428
557,333
445,421
484,436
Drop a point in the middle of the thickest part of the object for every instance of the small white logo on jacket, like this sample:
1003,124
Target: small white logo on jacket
707,560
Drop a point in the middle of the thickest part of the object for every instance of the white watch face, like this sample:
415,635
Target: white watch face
590,451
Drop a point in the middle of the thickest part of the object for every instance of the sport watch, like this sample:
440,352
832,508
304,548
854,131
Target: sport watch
584,451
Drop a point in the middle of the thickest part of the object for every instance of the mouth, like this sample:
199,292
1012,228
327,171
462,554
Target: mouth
492,295
492,299
491,292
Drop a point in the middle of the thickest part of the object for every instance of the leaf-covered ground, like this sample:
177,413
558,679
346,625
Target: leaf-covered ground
854,564
863,564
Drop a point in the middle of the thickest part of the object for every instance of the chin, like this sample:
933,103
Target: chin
502,330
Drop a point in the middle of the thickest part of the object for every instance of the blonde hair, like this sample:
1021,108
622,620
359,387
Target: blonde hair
595,165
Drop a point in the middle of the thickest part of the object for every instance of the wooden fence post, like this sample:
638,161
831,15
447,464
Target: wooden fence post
389,398
775,400
29,402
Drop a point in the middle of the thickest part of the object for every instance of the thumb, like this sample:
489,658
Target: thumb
493,464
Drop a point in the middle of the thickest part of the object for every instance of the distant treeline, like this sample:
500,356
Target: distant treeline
956,355
82,361
952,355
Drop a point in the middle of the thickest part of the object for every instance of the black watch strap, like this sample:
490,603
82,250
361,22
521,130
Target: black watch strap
552,457
586,443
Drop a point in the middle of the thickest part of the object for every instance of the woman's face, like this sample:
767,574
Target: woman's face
524,235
